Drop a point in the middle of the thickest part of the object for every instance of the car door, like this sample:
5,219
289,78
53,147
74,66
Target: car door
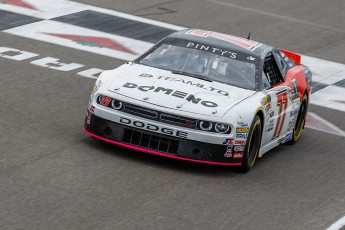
280,106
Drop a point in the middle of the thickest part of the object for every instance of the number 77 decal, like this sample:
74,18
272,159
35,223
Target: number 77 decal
282,103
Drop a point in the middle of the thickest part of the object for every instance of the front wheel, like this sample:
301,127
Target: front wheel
297,131
252,147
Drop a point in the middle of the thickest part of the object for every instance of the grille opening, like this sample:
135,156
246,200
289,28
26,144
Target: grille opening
164,145
127,136
177,120
136,136
154,142
108,131
196,151
139,111
145,140
173,148
149,141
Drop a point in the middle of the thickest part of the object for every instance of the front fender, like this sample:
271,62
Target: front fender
242,115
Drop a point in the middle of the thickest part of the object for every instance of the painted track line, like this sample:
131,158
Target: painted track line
313,121
337,225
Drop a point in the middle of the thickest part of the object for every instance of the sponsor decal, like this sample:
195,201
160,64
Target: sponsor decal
294,112
153,127
291,125
266,100
239,148
272,113
221,52
146,75
238,155
242,130
228,152
269,127
240,142
294,94
171,92
91,41
94,88
104,100
242,42
228,141
241,135
288,136
281,140
268,107
201,86
308,74
242,124
88,117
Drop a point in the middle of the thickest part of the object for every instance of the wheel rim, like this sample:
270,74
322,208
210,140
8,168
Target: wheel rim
300,120
254,143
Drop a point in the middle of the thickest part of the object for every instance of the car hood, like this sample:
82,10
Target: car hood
162,88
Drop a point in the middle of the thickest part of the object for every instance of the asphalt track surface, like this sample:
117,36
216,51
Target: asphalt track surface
53,176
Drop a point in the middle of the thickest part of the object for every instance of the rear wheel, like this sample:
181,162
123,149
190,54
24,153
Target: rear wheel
252,147
297,131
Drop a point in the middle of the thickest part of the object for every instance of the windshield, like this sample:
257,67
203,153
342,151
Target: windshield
203,64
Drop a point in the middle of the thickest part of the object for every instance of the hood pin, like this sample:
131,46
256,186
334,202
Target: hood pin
117,88
214,111
179,106
145,98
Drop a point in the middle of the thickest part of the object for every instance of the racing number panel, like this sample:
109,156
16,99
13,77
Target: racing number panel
281,104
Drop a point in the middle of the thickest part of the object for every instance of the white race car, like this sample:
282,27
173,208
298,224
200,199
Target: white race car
205,97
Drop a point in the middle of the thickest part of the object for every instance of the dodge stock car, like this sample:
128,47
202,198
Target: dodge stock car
203,96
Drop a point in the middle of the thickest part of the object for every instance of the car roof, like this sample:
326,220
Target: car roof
238,44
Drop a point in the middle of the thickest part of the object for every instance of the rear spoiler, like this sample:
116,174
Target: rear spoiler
293,56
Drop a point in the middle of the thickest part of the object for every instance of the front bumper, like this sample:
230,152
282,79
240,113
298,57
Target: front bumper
156,143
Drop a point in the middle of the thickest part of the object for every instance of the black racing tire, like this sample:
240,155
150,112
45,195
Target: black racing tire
299,126
253,144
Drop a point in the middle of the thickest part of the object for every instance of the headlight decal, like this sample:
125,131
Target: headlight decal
205,125
222,128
